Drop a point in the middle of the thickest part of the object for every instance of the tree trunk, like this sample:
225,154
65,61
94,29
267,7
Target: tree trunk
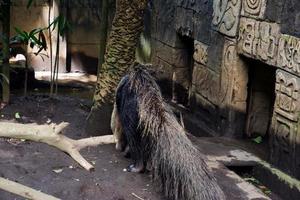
5,11
103,33
120,55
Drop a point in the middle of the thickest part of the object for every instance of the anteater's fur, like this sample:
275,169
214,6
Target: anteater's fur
154,135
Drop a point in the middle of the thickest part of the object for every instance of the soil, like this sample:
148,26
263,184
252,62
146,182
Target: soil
51,171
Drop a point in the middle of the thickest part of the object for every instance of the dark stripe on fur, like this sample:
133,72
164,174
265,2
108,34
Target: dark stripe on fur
154,134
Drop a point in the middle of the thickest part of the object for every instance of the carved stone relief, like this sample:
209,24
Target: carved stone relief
259,40
254,8
226,16
289,54
287,94
200,52
206,82
285,122
234,78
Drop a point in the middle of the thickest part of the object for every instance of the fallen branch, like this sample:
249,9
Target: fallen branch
51,135
24,191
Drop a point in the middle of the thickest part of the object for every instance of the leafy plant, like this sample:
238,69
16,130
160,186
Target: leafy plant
34,38
258,140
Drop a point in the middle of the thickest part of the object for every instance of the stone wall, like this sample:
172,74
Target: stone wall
227,37
79,47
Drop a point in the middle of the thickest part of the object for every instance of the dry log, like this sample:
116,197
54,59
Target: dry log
51,135
24,191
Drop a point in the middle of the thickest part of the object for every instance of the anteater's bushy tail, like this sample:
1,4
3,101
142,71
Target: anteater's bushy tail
176,163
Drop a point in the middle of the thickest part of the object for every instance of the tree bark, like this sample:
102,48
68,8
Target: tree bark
103,33
5,11
120,55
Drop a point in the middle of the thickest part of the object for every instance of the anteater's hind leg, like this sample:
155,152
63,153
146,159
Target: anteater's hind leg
116,127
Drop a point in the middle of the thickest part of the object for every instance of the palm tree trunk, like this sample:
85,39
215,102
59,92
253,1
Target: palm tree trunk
120,55
5,10
103,33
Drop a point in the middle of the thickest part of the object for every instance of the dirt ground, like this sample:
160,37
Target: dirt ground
51,171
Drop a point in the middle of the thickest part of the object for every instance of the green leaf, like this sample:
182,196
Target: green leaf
258,140
17,115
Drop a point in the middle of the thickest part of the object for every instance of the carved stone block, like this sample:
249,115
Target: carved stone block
285,131
200,52
254,8
165,23
234,78
259,40
184,22
206,83
290,17
233,91
215,51
289,54
226,16
174,56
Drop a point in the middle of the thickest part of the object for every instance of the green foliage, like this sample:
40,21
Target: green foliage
34,38
62,25
257,140
17,115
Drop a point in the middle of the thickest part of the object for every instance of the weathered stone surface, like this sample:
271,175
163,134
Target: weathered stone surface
164,74
206,112
24,3
233,91
181,85
85,27
259,40
290,18
173,56
215,51
289,54
202,17
165,23
226,16
184,22
182,76
254,8
234,78
206,82
164,70
200,52
273,10
202,26
199,6
285,132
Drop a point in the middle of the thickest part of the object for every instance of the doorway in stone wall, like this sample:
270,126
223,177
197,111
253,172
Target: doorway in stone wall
261,97
183,70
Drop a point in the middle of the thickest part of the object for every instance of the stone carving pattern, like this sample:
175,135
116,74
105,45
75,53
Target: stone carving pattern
254,8
200,53
206,83
286,115
289,54
287,93
259,40
226,16
233,78
229,56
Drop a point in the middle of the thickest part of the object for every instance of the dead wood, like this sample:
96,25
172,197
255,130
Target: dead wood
51,135
24,191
